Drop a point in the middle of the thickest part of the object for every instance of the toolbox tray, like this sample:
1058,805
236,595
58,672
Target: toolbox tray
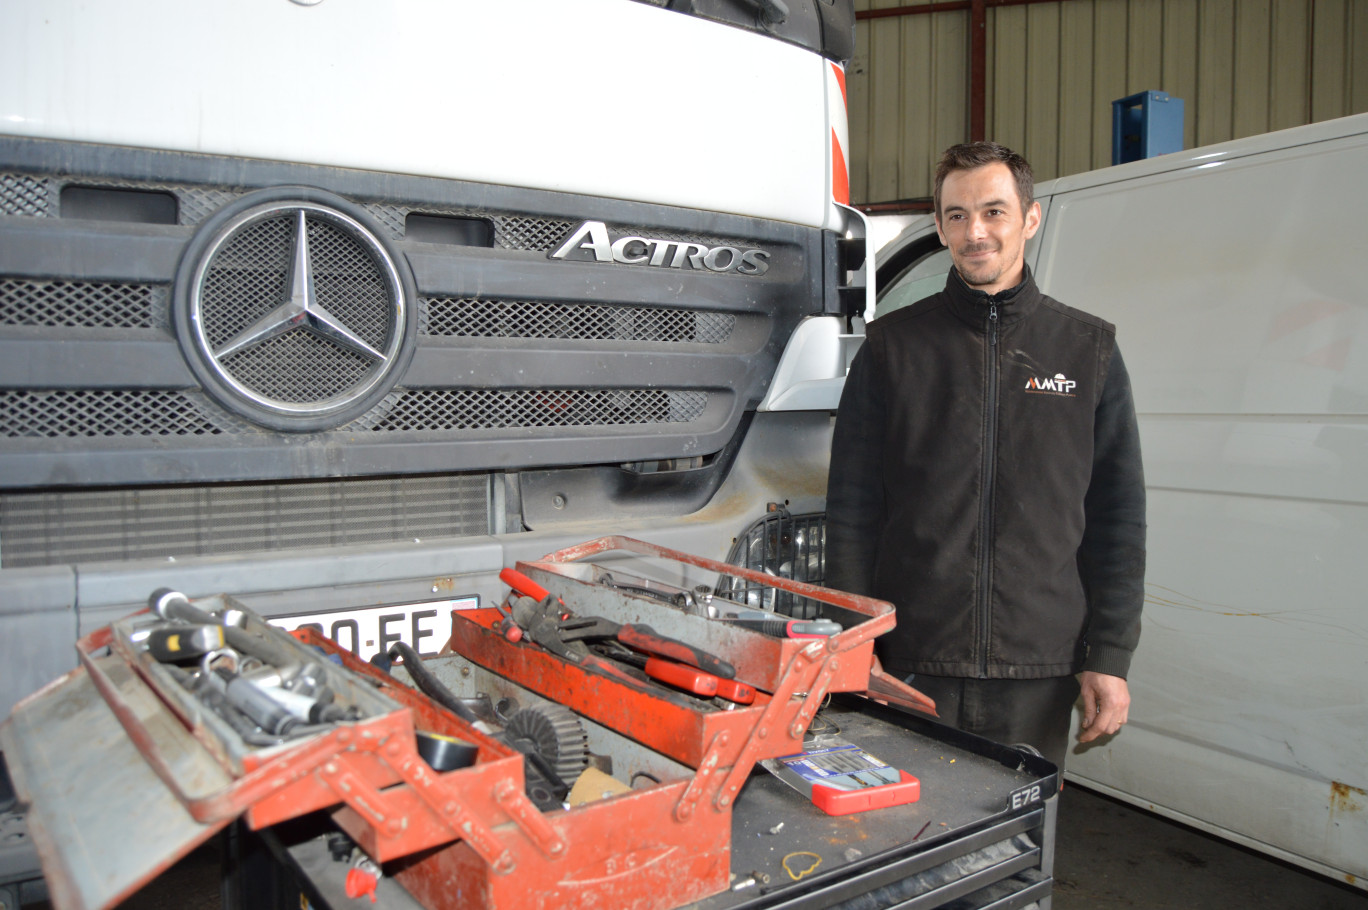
791,675
981,837
668,844
455,838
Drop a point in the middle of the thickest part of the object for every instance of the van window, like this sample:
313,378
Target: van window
924,277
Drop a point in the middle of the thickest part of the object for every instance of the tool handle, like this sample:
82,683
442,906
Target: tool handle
175,606
644,638
509,629
813,628
608,668
181,642
169,604
789,628
739,692
690,679
523,585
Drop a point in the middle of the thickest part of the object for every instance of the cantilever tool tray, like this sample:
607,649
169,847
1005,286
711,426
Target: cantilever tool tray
656,834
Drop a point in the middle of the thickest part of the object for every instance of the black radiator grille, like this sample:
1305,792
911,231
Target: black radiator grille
37,196
82,304
109,380
521,233
21,194
476,318
85,413
493,409
61,413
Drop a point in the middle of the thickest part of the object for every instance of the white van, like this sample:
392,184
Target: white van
1234,274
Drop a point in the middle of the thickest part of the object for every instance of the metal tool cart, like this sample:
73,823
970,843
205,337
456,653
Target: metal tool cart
594,743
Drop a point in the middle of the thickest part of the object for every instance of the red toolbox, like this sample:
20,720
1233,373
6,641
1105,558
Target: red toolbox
468,837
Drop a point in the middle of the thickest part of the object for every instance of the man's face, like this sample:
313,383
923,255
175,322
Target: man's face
982,223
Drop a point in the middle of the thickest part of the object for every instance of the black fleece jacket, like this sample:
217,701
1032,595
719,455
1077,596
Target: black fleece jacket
986,479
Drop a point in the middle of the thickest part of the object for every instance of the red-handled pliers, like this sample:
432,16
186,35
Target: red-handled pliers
548,623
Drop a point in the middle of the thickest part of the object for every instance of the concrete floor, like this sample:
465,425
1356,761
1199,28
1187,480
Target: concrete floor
1109,857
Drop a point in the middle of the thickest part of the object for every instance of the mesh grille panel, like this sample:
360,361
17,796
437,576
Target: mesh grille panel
511,232
97,412
517,319
21,194
318,369
123,413
247,280
391,218
66,527
483,409
540,234
78,303
196,203
527,232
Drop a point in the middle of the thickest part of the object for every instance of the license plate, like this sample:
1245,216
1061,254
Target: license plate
425,627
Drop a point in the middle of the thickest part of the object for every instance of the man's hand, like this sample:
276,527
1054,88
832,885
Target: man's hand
1106,704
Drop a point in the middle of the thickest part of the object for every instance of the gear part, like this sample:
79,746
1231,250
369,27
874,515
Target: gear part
553,732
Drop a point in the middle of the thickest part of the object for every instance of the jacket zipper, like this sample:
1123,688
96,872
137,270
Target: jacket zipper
989,482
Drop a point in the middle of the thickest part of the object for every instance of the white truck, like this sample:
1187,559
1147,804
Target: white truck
1234,276
342,307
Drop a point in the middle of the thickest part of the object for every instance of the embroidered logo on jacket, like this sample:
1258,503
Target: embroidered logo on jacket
1058,385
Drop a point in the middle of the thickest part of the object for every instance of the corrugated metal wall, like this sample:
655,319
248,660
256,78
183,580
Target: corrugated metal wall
1242,67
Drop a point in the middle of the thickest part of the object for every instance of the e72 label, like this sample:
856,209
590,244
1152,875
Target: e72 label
1025,796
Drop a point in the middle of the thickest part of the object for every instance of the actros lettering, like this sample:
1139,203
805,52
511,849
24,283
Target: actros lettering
591,240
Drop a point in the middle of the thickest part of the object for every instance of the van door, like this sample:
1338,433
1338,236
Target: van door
1235,278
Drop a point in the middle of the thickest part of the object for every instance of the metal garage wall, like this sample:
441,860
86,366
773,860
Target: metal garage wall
1052,69
908,85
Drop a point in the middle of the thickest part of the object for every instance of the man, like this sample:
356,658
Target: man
986,479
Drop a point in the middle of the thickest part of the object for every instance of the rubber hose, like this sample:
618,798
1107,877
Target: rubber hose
429,684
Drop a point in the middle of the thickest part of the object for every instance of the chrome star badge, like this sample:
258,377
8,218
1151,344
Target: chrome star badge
300,310
293,313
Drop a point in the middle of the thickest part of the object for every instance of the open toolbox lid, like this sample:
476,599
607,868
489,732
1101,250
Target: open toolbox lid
86,786
120,743
124,771
586,575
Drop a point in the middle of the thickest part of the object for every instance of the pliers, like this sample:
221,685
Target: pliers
577,629
550,624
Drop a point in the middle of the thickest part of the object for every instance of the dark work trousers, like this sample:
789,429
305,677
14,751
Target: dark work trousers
1036,712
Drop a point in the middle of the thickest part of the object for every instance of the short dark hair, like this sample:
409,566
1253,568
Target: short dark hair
970,155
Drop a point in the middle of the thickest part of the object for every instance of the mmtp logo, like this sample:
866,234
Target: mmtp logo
1056,386
592,236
